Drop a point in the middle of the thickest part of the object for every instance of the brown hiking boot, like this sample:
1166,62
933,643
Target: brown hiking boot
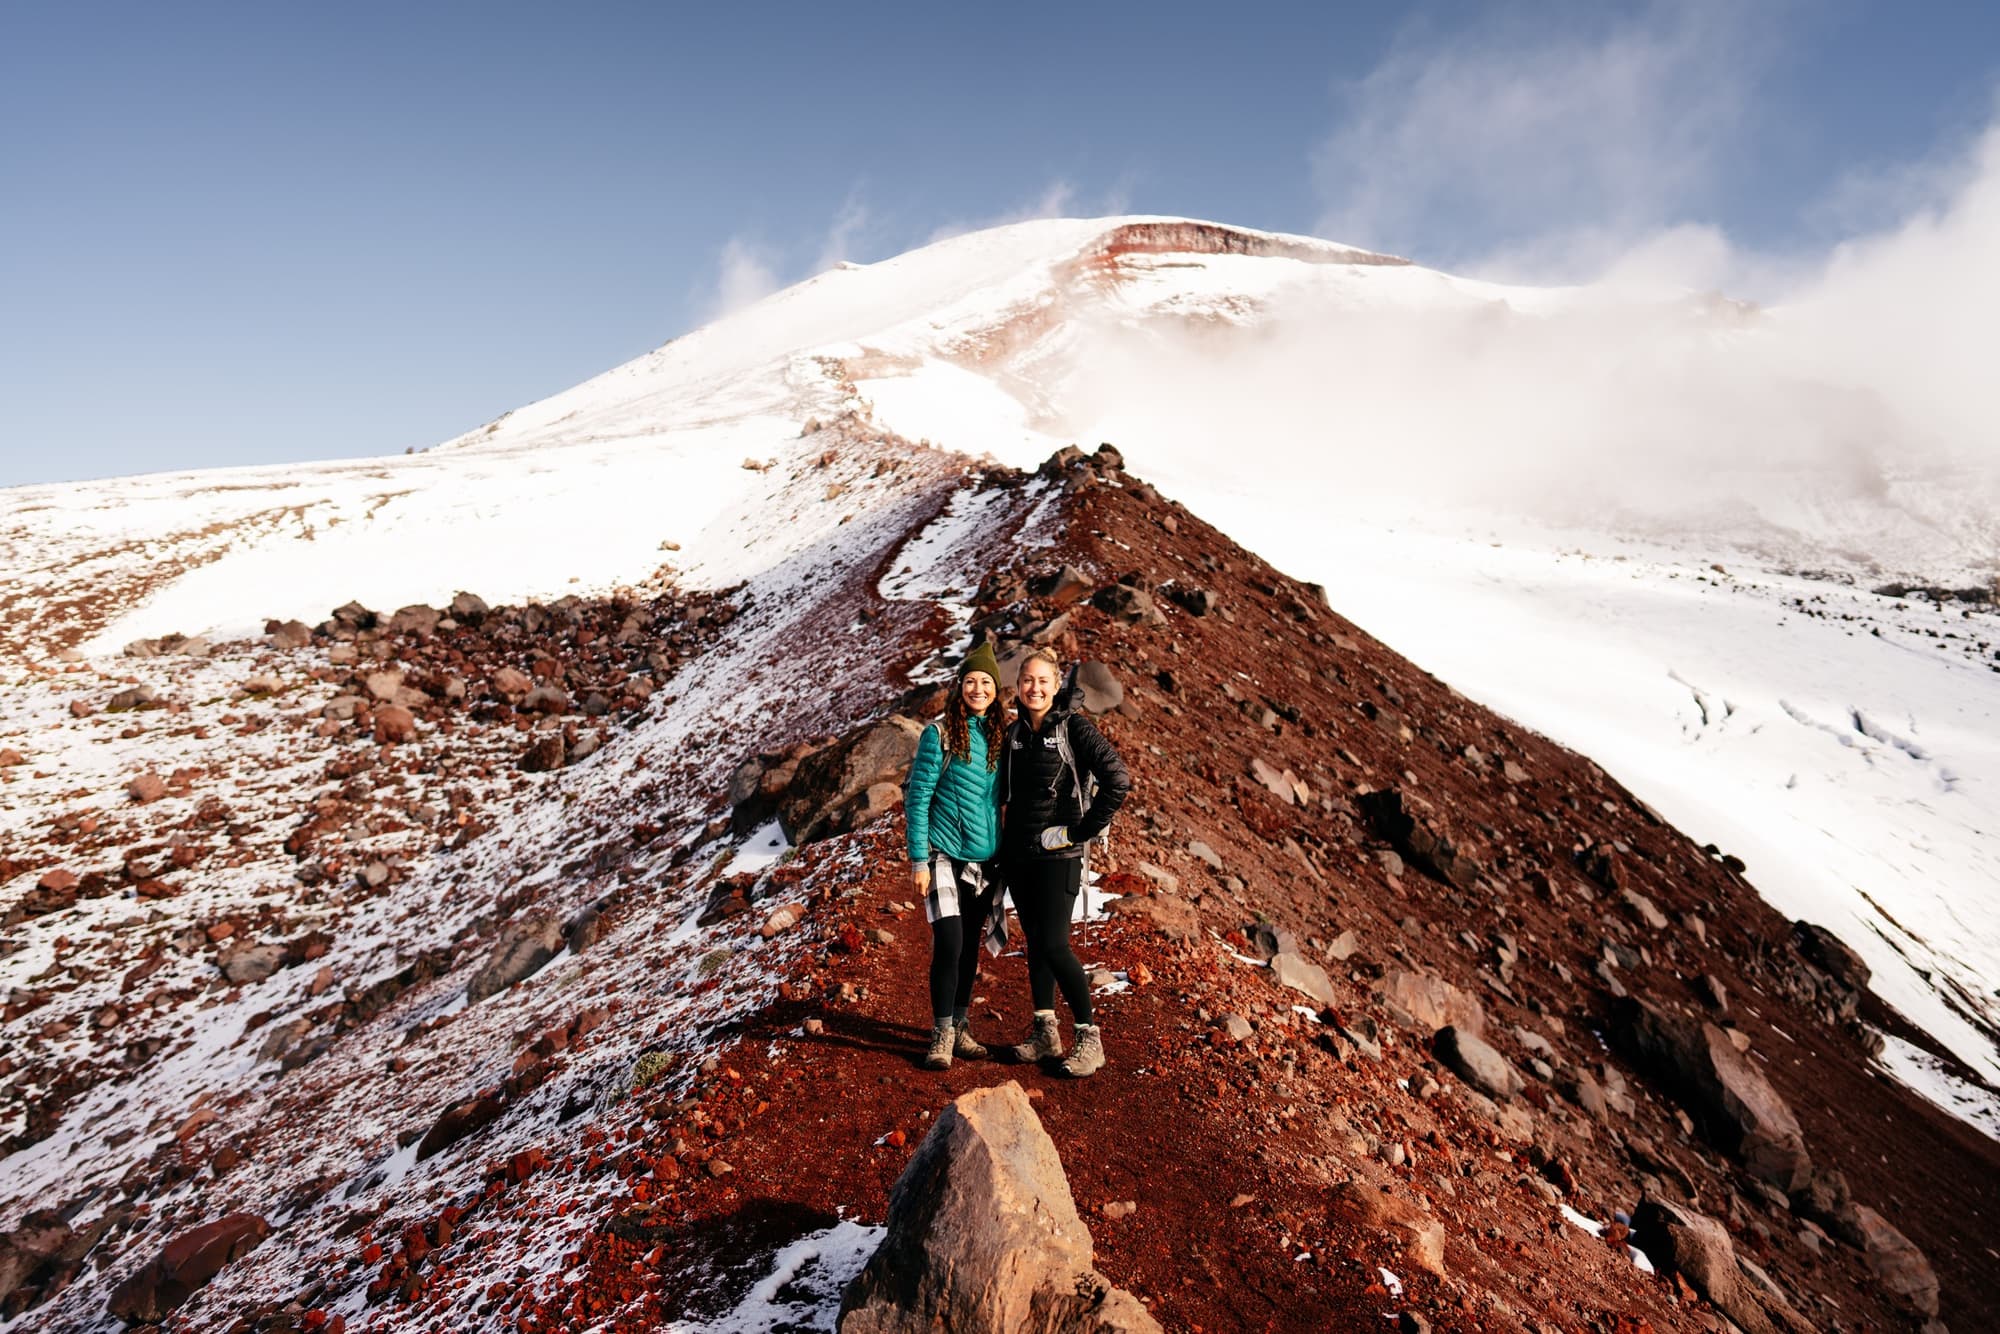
1088,1058
1044,1042
968,1047
939,1056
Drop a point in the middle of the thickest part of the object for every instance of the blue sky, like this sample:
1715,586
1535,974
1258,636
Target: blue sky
252,233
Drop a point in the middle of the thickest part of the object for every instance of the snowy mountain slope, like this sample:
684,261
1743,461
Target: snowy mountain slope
1352,415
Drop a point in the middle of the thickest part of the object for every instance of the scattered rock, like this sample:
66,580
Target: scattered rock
1681,1241
1200,851
582,931
248,963
1172,917
1735,1106
525,944
457,1121
382,686
1897,1264
511,683
1478,1064
544,754
1125,603
55,891
1303,976
468,608
1280,783
137,697
1430,1003
783,919
1831,955
831,791
545,699
1645,909
394,724
1419,1236
288,634
187,1263
417,619
984,1237
1100,689
1062,587
1417,838
147,787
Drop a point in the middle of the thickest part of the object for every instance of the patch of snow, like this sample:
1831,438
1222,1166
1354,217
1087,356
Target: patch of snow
802,1291
1919,1070
764,848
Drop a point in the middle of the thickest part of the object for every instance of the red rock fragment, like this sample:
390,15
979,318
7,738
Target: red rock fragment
189,1261
394,724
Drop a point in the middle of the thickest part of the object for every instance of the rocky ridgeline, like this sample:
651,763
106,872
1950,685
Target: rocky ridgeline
1387,985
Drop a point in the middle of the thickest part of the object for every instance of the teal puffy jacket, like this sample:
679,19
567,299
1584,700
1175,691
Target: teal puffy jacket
953,808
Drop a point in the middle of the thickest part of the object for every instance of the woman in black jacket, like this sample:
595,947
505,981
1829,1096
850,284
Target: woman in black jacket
1050,752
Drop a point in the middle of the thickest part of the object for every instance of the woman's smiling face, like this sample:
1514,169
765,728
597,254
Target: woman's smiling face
1036,685
978,690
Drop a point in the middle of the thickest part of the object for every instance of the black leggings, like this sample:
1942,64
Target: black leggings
955,945
1044,890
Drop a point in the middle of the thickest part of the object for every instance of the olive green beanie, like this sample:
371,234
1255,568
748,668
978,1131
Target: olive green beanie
981,659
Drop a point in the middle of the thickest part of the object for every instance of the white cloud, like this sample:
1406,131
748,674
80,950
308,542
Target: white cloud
1057,199
745,274
1557,152
851,222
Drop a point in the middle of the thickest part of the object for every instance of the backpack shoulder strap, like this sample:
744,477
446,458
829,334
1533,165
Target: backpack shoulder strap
1068,754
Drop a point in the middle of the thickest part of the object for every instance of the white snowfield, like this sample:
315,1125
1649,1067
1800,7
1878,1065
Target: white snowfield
1523,490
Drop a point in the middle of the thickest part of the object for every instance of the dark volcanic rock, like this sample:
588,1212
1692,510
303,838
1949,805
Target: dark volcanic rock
457,1121
545,753
1417,838
829,784
189,1261
984,1237
525,944
1735,1106
1124,603
1831,955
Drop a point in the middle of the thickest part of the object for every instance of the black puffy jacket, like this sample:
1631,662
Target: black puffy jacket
1039,791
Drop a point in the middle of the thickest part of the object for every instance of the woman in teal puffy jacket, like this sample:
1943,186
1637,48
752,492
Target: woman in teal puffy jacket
951,804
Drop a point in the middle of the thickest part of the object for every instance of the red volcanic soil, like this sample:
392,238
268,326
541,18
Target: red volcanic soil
1229,1148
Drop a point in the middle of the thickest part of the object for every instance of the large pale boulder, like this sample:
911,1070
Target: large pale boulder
1903,1270
1431,1003
984,1237
1698,1248
1736,1107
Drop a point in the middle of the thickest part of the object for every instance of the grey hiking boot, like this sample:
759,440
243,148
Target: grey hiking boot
939,1056
1043,1044
1088,1058
968,1047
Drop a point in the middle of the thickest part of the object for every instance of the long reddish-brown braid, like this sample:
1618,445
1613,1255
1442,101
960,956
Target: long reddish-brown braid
958,740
